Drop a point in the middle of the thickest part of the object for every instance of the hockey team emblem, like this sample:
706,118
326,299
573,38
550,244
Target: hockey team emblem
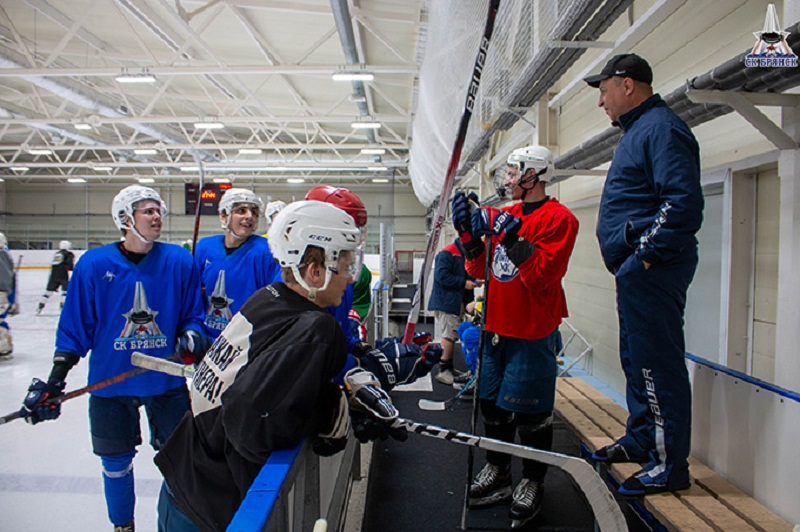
219,313
502,267
141,330
771,49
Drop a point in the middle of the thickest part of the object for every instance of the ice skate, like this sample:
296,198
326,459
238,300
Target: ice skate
527,502
492,485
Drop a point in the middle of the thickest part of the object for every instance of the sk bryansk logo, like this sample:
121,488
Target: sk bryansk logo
771,48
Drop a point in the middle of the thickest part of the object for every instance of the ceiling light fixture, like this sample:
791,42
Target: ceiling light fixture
373,151
190,168
295,180
140,77
380,180
83,125
19,168
40,151
365,124
146,180
2,180
380,168
221,180
352,75
76,180
250,151
209,125
102,168
145,151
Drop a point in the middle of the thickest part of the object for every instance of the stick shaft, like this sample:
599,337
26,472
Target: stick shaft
449,179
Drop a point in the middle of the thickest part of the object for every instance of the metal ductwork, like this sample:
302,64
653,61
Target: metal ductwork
583,20
344,26
732,76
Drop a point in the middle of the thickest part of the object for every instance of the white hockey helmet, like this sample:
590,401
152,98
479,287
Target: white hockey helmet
122,206
65,244
3,241
521,160
233,197
312,223
274,207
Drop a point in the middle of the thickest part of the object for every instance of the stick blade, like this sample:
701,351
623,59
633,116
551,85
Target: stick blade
427,404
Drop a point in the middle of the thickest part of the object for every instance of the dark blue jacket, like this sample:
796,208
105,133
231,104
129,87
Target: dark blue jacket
652,203
449,278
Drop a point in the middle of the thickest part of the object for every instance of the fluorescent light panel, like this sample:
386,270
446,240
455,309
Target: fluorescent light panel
102,168
250,151
377,168
221,180
145,151
353,76
209,125
19,168
373,151
76,180
146,180
83,126
364,124
40,151
190,168
295,180
380,180
136,78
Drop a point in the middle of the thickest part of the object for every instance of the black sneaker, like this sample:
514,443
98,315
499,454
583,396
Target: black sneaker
527,502
617,454
642,484
127,527
492,485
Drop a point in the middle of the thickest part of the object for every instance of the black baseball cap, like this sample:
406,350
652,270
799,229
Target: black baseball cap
623,65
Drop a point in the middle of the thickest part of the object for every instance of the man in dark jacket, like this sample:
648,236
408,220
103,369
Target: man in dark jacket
266,382
63,262
651,209
450,279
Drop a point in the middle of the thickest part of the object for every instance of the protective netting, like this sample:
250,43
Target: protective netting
455,28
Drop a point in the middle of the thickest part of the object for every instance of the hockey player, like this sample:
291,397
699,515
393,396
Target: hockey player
62,263
133,295
266,383
8,293
272,210
235,264
530,244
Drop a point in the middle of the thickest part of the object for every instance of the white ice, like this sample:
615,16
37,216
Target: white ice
49,478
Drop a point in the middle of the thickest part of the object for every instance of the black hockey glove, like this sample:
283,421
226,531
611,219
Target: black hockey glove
371,410
38,404
334,439
191,346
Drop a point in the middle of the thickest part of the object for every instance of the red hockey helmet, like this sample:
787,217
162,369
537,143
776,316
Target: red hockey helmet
341,198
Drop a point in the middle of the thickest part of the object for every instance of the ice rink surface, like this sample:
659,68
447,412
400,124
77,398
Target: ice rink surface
49,477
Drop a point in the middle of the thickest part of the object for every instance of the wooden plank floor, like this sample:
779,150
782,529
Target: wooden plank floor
712,503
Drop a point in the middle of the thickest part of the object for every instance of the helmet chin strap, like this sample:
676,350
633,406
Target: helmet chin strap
312,292
132,228
534,178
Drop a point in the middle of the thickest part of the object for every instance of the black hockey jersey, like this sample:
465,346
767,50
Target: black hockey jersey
264,385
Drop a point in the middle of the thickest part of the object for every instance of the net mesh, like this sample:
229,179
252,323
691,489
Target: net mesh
455,28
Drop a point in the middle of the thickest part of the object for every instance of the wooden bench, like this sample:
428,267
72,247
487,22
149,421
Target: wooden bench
712,503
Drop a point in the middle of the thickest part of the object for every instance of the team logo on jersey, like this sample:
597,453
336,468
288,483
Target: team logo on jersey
219,314
110,276
771,49
502,267
141,330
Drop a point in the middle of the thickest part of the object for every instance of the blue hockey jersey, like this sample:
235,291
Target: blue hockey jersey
115,307
229,280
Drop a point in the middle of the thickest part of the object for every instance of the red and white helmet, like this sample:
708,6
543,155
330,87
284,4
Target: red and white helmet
123,202
343,199
312,223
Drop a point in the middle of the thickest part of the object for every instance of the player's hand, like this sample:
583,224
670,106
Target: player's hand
462,208
371,410
38,404
191,346
492,221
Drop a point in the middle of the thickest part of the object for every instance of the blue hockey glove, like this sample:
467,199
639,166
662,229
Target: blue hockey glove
38,404
191,346
491,221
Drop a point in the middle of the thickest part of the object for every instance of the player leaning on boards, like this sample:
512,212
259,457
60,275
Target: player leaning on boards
650,211
235,264
133,295
62,263
266,383
530,243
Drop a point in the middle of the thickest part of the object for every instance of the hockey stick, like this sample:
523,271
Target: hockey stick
156,364
455,157
77,393
606,510
196,231
607,513
427,404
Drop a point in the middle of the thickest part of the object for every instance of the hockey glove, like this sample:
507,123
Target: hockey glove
492,221
334,439
191,346
371,408
39,404
462,209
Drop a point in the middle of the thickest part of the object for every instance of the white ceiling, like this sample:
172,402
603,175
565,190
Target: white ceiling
262,68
